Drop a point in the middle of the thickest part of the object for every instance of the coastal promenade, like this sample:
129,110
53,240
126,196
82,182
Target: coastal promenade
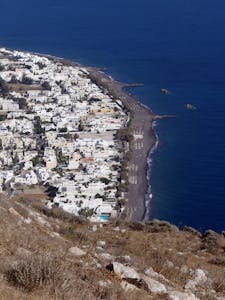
143,140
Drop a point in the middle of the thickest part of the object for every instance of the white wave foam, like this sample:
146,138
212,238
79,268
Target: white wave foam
149,195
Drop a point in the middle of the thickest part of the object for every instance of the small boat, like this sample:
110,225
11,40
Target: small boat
190,106
165,91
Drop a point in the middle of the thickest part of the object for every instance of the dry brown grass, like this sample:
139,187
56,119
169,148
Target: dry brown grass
60,278
8,292
51,273
165,252
33,272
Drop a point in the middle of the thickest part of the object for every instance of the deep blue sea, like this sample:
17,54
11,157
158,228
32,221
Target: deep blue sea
174,44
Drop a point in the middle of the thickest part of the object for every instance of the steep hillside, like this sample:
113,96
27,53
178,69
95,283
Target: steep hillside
49,254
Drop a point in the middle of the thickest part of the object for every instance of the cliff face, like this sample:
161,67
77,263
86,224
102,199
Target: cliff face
50,254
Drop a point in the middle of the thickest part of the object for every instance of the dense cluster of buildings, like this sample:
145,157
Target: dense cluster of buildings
57,128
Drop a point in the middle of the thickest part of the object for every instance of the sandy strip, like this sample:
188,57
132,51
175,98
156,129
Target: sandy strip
142,127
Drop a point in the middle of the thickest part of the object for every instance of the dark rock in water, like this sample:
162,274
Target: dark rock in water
192,230
223,233
165,91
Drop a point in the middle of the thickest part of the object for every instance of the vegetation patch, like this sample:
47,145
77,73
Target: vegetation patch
32,272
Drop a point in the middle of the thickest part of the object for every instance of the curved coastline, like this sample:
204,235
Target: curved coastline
147,196
144,143
145,140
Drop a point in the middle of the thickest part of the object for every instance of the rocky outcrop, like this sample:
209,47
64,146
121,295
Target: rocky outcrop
128,287
154,226
137,226
198,278
192,230
160,226
153,285
213,241
136,279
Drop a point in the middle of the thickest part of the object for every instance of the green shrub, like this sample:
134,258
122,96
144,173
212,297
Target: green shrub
3,117
105,180
27,80
46,86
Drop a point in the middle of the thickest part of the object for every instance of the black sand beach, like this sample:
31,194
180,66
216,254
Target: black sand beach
144,140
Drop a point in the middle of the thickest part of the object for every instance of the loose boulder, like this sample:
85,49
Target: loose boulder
199,278
128,287
105,256
76,251
176,295
153,285
123,271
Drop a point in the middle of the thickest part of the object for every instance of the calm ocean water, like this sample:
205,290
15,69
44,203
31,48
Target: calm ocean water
174,44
